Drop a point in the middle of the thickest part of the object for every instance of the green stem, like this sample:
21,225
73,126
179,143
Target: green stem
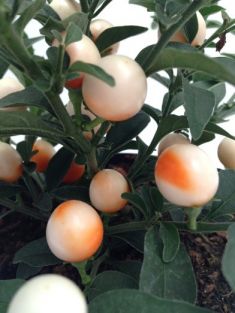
69,128
166,36
226,27
92,165
192,214
58,82
84,6
81,267
92,124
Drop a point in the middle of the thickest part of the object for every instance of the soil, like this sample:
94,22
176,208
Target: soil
205,252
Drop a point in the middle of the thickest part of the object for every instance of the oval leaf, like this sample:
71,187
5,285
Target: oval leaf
134,301
171,241
110,280
189,59
36,254
174,280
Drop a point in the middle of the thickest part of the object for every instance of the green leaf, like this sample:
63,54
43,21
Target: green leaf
30,96
129,267
225,196
171,241
115,34
58,167
174,280
71,193
220,68
25,271
28,15
228,258
110,280
148,4
80,19
136,200
73,34
134,239
36,254
26,123
7,290
135,301
93,70
3,67
191,28
124,131
199,104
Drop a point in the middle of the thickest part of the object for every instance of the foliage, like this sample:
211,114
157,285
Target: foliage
159,276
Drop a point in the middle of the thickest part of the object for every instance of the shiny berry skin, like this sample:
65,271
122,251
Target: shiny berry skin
171,139
119,102
45,151
226,153
11,167
105,191
186,176
74,231
48,293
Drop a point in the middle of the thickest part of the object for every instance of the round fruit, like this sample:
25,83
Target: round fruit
121,101
74,231
97,27
106,189
65,8
83,50
46,294
199,37
11,167
186,176
45,151
75,172
226,153
170,140
10,85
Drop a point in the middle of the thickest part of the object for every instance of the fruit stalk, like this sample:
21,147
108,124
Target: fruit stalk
192,214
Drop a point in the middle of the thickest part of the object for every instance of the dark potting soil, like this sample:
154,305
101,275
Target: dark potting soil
205,252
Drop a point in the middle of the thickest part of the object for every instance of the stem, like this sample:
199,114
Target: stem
163,41
92,165
69,128
81,267
84,6
92,124
192,214
223,28
58,82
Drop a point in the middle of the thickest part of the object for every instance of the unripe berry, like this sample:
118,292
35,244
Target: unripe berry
45,151
46,294
10,85
11,167
226,153
97,27
119,102
186,176
170,140
106,189
74,231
